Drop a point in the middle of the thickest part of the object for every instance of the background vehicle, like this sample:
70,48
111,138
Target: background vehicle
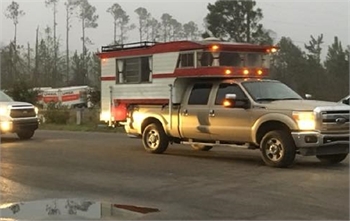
17,117
211,93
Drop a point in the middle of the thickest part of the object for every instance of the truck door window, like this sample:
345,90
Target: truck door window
227,88
200,94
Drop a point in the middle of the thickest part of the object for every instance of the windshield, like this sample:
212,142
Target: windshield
270,91
4,97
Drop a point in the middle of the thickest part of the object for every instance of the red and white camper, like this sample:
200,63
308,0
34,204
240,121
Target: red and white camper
140,73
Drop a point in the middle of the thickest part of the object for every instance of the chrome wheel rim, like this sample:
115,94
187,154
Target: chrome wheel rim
153,139
274,150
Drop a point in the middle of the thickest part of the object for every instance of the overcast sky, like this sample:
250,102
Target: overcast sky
295,19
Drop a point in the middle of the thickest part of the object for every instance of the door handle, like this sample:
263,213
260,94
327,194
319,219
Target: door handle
212,113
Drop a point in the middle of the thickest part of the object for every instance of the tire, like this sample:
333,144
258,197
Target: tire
201,147
332,159
25,134
278,149
154,139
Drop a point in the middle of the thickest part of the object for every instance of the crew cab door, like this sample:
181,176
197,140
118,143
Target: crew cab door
230,123
194,117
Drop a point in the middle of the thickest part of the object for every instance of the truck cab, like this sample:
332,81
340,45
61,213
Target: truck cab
17,117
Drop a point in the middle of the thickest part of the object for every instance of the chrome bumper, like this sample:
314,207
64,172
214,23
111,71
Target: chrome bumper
315,143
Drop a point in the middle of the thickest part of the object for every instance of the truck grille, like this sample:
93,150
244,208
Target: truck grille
22,113
335,121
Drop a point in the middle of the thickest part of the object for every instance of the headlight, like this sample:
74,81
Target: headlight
6,126
36,110
305,120
4,111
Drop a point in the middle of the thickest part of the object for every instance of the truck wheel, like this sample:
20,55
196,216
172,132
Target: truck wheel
277,149
332,159
154,139
201,147
25,134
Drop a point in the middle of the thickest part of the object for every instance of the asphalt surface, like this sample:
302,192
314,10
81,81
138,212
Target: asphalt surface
224,183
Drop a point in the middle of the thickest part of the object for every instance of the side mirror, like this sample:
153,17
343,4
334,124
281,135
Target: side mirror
231,101
308,96
346,101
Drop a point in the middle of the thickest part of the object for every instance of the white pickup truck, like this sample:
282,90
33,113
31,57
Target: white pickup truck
17,117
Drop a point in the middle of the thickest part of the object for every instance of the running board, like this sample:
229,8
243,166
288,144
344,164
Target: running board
217,143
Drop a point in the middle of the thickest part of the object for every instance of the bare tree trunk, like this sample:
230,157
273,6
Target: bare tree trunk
115,32
55,45
67,44
36,68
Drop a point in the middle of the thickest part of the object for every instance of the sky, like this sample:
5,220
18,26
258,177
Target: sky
296,19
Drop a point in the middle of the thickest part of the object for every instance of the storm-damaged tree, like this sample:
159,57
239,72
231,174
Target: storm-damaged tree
70,5
166,26
337,67
121,20
191,31
53,4
14,13
237,21
143,16
88,19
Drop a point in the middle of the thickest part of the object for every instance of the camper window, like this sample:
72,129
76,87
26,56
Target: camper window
136,70
186,60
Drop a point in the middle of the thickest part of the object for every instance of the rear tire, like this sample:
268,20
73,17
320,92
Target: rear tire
154,138
25,134
200,147
332,159
278,149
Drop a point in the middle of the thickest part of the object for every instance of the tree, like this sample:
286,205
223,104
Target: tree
314,48
166,23
88,19
176,30
154,27
53,4
315,70
14,13
70,5
191,31
289,66
143,17
337,66
121,20
237,21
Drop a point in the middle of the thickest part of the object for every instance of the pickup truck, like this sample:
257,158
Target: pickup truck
17,117
254,113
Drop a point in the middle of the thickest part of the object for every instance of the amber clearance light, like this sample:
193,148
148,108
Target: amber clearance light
228,71
259,72
245,71
226,103
214,47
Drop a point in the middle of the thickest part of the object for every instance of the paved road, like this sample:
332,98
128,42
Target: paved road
224,183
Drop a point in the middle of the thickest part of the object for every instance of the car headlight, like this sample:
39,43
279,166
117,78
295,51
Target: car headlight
36,110
4,111
306,120
6,126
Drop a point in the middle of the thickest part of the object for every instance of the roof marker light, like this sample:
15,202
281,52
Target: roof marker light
246,72
259,72
228,71
214,47
273,50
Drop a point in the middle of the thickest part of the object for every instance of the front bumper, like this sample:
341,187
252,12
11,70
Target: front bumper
315,143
